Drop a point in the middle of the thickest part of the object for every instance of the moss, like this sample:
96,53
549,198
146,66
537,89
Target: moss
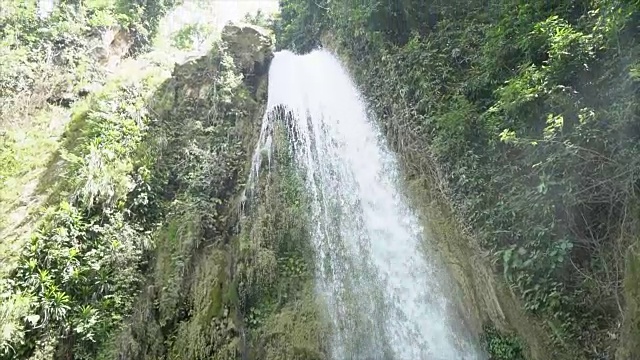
298,331
208,331
176,241
629,340
285,318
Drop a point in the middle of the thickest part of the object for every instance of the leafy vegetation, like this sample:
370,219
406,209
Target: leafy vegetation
502,347
530,111
82,268
72,244
191,36
140,17
45,57
260,18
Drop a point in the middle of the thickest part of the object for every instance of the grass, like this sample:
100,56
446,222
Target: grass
24,152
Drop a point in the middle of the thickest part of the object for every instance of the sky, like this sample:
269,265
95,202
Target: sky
216,12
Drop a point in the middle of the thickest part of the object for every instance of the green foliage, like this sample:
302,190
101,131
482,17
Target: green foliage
298,25
630,343
259,18
8,161
82,269
104,139
24,152
41,58
191,36
502,347
142,18
45,58
82,274
530,110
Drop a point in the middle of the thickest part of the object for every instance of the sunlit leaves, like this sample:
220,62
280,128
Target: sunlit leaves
508,135
554,126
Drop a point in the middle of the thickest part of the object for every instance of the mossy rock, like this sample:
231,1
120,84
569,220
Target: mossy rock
629,347
298,331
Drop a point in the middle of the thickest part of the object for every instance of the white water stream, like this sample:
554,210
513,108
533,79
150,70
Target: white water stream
380,285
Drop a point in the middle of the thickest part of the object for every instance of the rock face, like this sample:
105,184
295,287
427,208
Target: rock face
116,42
107,48
113,44
206,285
250,46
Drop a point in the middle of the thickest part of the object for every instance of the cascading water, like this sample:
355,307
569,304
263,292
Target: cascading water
380,286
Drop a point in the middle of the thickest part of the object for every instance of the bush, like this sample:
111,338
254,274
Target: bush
502,347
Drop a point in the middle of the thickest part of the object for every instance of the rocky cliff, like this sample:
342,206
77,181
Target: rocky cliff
222,282
142,249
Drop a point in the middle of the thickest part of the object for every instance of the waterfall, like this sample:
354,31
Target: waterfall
380,283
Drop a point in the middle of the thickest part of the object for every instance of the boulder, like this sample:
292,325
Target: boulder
112,46
250,46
